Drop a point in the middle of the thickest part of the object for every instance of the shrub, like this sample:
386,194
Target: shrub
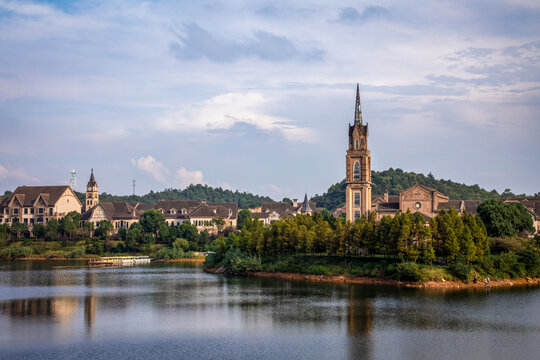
167,253
460,271
500,245
531,260
237,262
508,265
318,270
77,253
16,252
96,248
409,271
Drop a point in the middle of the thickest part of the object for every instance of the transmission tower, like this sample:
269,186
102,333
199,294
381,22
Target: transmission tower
133,186
73,180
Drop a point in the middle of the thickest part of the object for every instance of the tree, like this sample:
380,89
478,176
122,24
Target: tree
243,217
51,230
105,228
151,220
287,200
219,223
38,230
88,227
505,220
70,223
18,228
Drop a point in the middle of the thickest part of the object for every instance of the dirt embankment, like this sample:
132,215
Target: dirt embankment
342,279
42,258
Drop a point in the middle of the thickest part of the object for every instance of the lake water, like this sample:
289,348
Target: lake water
57,310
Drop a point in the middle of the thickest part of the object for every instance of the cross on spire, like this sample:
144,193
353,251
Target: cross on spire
358,107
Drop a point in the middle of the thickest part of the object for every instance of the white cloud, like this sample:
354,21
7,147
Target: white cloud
226,110
153,167
26,8
3,172
18,174
185,177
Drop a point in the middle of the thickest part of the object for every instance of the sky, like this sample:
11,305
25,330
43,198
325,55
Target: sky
257,95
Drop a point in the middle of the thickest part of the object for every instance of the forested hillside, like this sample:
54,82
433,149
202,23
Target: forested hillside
396,180
192,192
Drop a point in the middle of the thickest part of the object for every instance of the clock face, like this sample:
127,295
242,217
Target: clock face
417,205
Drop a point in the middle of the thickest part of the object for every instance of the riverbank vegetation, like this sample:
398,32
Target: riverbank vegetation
68,238
406,247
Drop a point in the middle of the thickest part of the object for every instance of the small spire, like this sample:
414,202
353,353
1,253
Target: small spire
358,107
305,206
92,180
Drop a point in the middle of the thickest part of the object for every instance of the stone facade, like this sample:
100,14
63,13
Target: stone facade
358,167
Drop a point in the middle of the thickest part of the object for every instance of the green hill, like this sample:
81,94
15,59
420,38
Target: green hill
192,192
396,180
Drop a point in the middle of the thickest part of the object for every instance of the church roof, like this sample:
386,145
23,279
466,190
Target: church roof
92,181
305,206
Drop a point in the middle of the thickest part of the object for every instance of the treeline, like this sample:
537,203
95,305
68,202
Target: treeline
150,236
192,192
407,236
397,180
405,247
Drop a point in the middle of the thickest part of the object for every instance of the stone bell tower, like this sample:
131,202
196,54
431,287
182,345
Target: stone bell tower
92,193
358,167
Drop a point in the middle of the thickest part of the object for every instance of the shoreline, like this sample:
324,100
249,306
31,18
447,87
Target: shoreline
343,279
42,258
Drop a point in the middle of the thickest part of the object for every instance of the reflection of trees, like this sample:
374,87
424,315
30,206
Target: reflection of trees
62,309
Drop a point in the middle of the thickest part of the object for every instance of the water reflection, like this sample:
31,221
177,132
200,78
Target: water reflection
179,307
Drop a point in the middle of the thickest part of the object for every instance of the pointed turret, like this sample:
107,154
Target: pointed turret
306,209
358,107
92,181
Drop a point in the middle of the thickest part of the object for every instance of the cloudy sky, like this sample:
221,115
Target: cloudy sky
257,95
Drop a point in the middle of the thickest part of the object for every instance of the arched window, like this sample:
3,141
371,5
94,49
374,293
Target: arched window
356,171
356,144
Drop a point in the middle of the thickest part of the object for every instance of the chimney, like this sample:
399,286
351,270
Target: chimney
386,195
203,201
295,203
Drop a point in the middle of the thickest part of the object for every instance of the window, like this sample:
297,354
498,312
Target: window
356,199
356,215
363,141
26,221
50,211
357,171
15,211
31,210
25,211
0,220
356,144
40,211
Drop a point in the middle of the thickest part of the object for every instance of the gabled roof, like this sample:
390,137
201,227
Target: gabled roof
203,210
92,181
114,211
167,205
472,205
28,195
456,204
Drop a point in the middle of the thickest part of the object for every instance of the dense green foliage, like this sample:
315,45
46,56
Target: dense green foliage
505,219
396,180
192,192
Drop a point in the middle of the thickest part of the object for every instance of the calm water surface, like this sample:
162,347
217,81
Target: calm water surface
56,310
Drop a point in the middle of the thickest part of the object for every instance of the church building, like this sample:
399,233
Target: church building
358,167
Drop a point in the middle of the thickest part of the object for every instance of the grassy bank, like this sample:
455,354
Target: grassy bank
497,267
87,249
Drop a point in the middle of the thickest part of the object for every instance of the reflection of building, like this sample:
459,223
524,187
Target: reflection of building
359,323
62,309
90,307
38,204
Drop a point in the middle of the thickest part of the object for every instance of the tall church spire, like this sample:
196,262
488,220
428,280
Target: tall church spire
358,107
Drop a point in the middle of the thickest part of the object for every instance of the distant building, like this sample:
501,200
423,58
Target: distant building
38,204
123,214
273,211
